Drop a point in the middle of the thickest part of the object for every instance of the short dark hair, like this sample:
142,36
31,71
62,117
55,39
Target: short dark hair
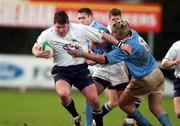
114,12
61,17
85,10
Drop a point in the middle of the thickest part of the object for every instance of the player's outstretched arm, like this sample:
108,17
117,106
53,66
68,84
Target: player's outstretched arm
127,49
87,55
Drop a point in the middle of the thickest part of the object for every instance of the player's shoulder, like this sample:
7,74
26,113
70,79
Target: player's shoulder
100,27
48,31
134,32
77,27
98,24
46,34
177,43
135,35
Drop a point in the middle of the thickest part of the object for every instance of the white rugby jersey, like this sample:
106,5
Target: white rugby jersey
172,54
78,34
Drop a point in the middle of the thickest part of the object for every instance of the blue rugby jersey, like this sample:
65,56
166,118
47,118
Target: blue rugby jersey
140,62
101,50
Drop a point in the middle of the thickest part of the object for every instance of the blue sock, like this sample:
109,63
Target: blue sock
140,118
88,115
164,119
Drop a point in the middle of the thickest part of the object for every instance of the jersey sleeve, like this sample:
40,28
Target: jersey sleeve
39,39
42,37
93,34
115,56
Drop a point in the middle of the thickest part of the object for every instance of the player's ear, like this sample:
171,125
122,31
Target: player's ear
114,34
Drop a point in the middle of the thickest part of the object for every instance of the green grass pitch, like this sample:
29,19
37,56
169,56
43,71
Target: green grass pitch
43,108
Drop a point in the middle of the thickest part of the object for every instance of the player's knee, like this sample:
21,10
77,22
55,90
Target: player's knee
93,99
151,109
156,110
113,104
64,96
178,115
122,105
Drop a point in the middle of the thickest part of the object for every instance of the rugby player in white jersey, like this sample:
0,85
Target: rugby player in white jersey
172,59
68,70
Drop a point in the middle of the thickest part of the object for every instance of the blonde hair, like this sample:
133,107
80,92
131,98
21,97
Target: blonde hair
121,27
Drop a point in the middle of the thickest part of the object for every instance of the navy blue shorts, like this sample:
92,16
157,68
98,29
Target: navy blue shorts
177,87
76,75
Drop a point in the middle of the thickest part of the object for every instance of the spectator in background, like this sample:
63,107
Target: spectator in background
172,59
114,77
114,15
68,70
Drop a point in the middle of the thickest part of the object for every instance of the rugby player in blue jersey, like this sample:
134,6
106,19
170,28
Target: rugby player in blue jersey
114,15
147,79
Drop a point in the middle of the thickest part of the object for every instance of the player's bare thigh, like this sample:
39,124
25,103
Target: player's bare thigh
90,92
64,90
113,98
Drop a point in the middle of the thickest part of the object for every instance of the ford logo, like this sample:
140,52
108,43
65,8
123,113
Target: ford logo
9,71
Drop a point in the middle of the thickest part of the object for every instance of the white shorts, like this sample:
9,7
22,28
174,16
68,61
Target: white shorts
116,74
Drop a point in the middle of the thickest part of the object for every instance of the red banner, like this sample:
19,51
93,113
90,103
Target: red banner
142,17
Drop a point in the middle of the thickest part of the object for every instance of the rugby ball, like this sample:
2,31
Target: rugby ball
45,45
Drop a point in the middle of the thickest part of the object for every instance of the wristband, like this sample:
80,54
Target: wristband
81,52
119,44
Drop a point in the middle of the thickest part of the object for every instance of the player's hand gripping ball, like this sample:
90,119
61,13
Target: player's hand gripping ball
46,46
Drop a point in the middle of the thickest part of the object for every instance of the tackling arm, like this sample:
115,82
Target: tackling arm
127,49
97,58
80,53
